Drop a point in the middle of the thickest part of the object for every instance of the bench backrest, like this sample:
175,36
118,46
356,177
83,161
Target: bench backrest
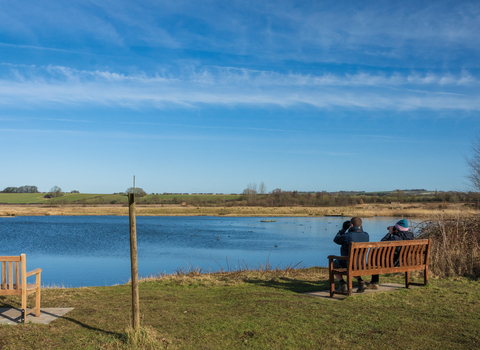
12,268
380,256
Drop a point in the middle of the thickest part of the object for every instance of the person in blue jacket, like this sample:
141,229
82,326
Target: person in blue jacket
352,231
399,232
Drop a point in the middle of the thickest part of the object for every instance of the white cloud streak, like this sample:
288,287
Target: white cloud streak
288,29
33,85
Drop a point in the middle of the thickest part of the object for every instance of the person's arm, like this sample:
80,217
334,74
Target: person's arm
342,236
387,237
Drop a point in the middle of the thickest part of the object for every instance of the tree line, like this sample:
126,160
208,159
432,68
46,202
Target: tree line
21,189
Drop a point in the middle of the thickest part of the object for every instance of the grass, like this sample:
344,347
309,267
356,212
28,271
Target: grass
22,198
257,310
89,198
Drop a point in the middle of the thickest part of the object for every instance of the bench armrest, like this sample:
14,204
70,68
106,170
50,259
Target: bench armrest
331,257
34,272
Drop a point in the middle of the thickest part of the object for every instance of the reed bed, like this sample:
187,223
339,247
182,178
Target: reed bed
413,210
455,247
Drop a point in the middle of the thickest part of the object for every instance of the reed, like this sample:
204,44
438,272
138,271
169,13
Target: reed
413,210
455,247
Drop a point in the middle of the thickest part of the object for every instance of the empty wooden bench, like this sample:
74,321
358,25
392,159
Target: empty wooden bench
375,258
14,282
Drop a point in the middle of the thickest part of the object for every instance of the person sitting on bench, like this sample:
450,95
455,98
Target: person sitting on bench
352,231
399,232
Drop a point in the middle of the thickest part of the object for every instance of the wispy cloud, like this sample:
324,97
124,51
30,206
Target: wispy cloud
212,127
22,85
32,47
303,31
108,134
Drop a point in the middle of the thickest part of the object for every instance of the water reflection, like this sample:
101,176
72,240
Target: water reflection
93,251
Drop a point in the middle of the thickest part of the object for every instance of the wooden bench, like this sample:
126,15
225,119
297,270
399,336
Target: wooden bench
14,282
375,258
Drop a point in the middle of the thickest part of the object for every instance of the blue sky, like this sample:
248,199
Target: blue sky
209,96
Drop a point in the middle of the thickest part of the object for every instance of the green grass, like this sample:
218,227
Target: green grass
89,198
256,310
22,198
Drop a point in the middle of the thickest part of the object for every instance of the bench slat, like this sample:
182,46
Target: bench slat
415,255
9,258
402,256
387,270
4,275
17,276
10,275
389,256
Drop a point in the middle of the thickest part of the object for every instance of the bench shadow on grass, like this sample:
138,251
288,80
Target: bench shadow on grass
119,336
291,284
4,304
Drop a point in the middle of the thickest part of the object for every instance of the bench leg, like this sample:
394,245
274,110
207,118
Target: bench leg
349,284
37,296
37,303
331,278
407,279
24,305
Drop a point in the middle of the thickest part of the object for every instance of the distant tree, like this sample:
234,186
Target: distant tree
400,195
473,163
155,199
262,188
27,189
75,191
139,192
55,192
9,190
250,193
21,189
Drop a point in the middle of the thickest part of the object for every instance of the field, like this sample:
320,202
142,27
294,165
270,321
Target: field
255,310
82,198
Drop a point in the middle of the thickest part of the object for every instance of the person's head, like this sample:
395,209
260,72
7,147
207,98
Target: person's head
356,221
401,225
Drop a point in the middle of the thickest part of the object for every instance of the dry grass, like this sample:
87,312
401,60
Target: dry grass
455,245
144,338
418,210
237,276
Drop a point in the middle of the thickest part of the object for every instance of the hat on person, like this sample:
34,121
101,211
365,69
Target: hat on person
402,225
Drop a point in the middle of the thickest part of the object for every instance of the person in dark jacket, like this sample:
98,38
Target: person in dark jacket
399,232
352,231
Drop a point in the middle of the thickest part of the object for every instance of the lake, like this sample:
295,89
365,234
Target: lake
79,251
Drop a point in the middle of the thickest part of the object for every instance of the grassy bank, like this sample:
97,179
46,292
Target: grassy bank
257,310
418,210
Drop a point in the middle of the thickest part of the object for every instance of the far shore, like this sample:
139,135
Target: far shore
416,210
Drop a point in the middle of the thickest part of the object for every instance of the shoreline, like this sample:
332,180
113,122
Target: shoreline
413,210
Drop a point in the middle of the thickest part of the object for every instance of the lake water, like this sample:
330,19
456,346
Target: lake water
79,251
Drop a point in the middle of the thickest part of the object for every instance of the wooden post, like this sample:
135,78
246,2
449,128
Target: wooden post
133,258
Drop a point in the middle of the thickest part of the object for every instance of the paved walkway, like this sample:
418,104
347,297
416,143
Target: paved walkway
47,315
384,287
